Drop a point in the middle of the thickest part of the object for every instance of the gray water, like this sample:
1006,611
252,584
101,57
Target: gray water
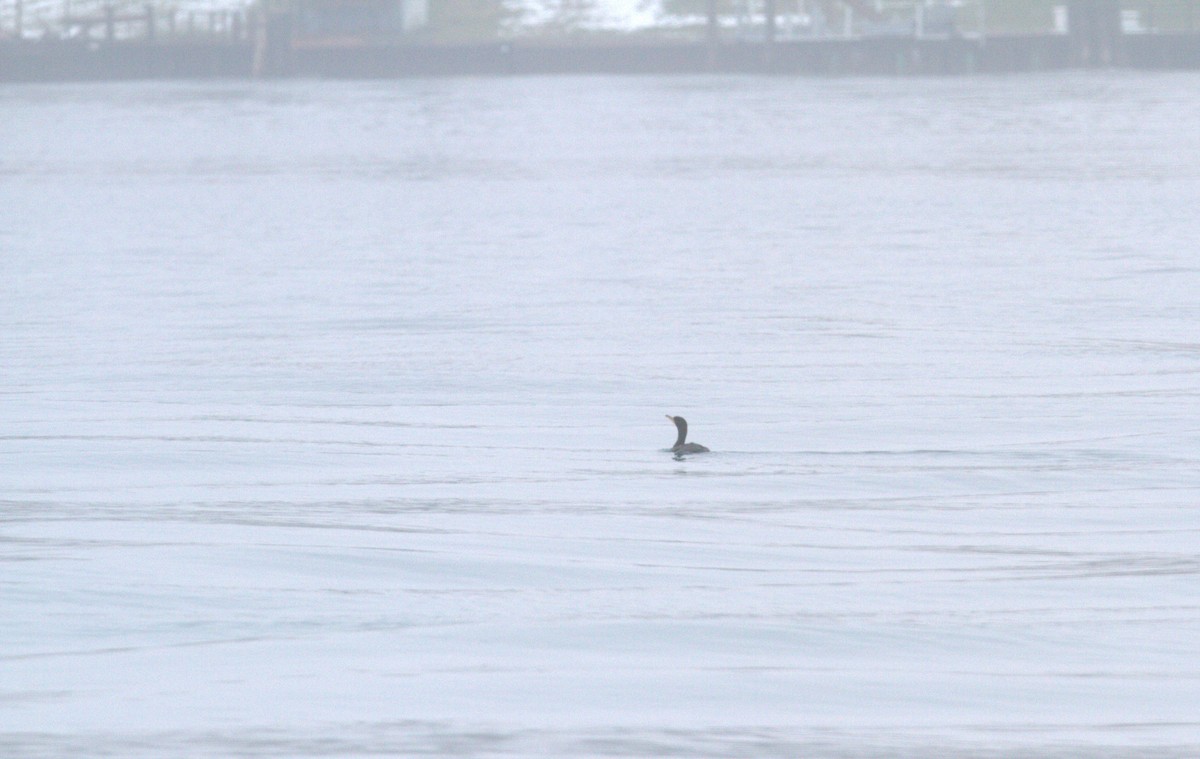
332,418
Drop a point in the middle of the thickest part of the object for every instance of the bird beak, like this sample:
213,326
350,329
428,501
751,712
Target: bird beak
670,417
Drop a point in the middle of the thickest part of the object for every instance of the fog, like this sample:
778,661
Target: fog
332,412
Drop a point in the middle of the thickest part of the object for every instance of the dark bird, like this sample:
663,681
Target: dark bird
680,445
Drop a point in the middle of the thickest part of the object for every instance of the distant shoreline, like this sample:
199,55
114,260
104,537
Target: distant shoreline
68,60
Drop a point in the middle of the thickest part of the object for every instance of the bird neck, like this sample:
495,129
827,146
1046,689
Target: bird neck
682,434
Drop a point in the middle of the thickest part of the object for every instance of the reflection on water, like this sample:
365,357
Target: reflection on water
333,418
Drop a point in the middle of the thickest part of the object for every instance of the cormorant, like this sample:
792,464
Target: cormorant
681,446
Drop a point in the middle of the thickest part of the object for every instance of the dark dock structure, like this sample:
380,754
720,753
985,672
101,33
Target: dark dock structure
372,38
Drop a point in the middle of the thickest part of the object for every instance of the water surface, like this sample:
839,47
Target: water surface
331,417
